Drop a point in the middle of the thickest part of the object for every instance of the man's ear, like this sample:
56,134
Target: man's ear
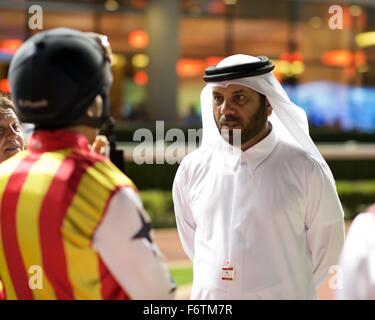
269,108
96,108
90,112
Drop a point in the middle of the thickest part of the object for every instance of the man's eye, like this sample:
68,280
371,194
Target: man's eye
218,100
16,127
241,99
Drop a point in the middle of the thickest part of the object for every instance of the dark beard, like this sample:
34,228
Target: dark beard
255,126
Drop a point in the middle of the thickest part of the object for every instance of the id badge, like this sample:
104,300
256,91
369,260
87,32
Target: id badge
227,273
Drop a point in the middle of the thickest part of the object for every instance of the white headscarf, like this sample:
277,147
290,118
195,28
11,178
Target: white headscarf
288,119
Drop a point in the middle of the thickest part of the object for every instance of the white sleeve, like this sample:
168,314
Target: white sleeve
355,262
125,244
184,217
324,222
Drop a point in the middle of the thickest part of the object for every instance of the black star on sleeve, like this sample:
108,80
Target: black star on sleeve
144,232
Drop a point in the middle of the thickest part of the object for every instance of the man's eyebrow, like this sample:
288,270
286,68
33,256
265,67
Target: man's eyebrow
216,92
239,91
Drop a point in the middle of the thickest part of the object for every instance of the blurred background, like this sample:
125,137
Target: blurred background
161,48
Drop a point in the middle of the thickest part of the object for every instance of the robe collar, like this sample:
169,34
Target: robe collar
228,158
259,152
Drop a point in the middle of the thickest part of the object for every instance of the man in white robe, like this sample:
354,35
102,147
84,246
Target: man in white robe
260,219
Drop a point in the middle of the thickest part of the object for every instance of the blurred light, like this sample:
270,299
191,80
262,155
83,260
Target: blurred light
355,10
340,58
138,39
278,75
111,5
281,67
140,60
216,7
212,61
188,68
297,68
350,72
4,86
366,39
118,60
364,68
10,46
138,4
230,2
289,69
360,58
295,56
315,22
343,58
140,78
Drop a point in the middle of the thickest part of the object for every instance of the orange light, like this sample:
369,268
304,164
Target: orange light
278,76
360,58
291,57
347,18
138,39
339,58
212,61
138,4
350,72
343,58
141,78
10,46
187,68
4,86
217,7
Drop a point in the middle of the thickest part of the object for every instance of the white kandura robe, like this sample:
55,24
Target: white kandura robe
275,216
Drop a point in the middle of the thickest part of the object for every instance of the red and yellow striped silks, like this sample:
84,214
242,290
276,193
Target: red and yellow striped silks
50,206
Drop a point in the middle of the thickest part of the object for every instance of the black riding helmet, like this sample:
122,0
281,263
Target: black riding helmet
56,75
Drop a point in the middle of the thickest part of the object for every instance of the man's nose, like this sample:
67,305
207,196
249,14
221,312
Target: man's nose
227,108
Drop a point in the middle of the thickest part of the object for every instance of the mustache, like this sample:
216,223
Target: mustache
231,118
13,143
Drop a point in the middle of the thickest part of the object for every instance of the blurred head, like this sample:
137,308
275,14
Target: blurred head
239,107
11,138
61,78
94,111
